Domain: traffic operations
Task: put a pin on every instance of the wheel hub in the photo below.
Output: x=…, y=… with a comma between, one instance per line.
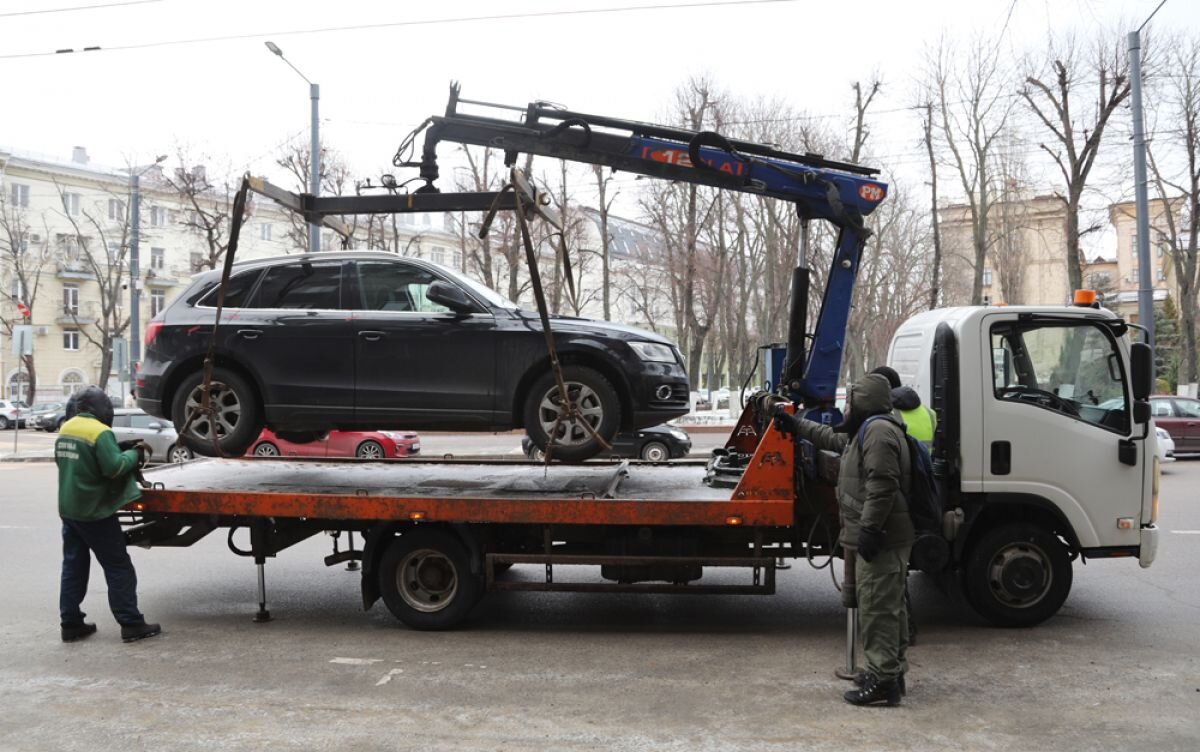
x=1020, y=575
x=564, y=423
x=427, y=580
x=226, y=411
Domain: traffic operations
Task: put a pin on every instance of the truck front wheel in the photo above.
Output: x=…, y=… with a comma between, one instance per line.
x=1017, y=575
x=426, y=581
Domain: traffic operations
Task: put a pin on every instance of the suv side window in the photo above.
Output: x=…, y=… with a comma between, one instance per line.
x=141, y=421
x=120, y=421
x=396, y=286
x=305, y=286
x=236, y=291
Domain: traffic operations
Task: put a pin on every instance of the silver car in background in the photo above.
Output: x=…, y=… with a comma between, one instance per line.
x=135, y=425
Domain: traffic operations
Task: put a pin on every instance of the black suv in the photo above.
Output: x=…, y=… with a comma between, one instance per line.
x=369, y=341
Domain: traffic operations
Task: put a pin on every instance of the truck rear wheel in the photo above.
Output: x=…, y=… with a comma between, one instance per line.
x=1017, y=575
x=426, y=581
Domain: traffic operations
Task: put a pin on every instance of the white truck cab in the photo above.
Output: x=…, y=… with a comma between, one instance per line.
x=1044, y=450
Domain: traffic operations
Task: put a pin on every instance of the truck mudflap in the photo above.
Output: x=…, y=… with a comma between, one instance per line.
x=1149, y=546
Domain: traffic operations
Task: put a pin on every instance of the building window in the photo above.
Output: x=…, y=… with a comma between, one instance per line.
x=16, y=290
x=116, y=210
x=438, y=255
x=71, y=203
x=158, y=258
x=458, y=259
x=158, y=300
x=1162, y=274
x=72, y=381
x=196, y=261
x=158, y=216
x=71, y=299
x=987, y=276
x=71, y=339
x=264, y=231
x=18, y=196
x=1135, y=274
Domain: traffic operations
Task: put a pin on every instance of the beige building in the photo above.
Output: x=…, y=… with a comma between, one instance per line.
x=54, y=214
x=1123, y=217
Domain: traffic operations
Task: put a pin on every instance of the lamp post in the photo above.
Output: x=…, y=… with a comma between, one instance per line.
x=314, y=154
x=135, y=215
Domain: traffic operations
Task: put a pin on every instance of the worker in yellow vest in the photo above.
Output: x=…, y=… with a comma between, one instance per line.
x=920, y=420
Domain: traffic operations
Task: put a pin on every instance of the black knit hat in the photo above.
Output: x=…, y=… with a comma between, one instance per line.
x=890, y=374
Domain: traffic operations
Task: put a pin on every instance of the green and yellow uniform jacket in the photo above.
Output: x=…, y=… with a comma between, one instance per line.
x=95, y=478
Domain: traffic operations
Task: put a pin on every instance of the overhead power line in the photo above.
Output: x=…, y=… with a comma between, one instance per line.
x=394, y=24
x=73, y=8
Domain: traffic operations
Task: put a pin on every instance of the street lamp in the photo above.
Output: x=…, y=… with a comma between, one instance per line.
x=135, y=331
x=314, y=155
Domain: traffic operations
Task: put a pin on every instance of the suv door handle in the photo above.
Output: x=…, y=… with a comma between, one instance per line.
x=249, y=333
x=371, y=336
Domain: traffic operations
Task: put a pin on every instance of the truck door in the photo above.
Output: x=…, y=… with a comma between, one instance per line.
x=1055, y=414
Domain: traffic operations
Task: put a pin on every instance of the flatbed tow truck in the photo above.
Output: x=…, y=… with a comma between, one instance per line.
x=436, y=535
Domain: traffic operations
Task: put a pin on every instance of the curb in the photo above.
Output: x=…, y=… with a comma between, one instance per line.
x=27, y=459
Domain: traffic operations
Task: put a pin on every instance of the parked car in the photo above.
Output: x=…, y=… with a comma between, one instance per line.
x=1180, y=416
x=12, y=413
x=40, y=410
x=132, y=424
x=656, y=444
x=1166, y=445
x=51, y=422
x=369, y=341
x=365, y=445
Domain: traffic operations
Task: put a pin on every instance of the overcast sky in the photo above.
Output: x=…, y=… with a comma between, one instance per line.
x=234, y=104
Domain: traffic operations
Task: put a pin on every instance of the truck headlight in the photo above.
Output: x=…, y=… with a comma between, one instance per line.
x=653, y=352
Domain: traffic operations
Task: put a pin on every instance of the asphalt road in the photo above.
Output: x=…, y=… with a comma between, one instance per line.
x=1117, y=669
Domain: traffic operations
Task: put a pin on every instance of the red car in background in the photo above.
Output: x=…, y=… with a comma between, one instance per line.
x=365, y=445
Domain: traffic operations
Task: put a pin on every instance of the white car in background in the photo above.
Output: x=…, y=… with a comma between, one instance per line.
x=1165, y=444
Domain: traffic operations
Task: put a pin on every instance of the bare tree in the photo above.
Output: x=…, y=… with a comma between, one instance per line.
x=1076, y=129
x=973, y=109
x=1175, y=169
x=604, y=205
x=208, y=209
x=335, y=177
x=25, y=259
x=935, y=222
x=99, y=249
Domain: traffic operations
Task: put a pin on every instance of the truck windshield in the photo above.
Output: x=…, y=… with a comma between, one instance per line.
x=1075, y=369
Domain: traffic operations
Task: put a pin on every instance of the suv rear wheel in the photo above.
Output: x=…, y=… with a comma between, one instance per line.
x=598, y=405
x=237, y=416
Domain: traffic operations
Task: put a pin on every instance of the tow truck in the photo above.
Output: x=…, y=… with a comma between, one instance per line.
x=436, y=535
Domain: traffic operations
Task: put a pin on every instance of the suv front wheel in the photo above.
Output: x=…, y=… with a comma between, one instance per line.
x=595, y=400
x=236, y=414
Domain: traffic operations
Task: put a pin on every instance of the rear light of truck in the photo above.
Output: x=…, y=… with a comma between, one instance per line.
x=152, y=330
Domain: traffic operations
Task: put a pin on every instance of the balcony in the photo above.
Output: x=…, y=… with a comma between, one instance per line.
x=74, y=269
x=160, y=278
x=81, y=315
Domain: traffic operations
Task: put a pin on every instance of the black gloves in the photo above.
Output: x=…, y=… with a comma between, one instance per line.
x=785, y=422
x=141, y=447
x=870, y=543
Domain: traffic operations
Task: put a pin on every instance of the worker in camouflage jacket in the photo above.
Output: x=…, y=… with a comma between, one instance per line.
x=875, y=523
x=96, y=477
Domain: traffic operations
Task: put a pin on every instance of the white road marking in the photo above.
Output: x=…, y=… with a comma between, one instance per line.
x=388, y=676
x=15, y=527
x=1186, y=532
x=356, y=661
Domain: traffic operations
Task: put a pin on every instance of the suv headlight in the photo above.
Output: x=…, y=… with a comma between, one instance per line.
x=653, y=352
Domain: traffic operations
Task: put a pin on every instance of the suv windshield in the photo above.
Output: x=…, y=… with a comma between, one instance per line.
x=1070, y=368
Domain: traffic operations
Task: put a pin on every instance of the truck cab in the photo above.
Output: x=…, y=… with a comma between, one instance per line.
x=1044, y=449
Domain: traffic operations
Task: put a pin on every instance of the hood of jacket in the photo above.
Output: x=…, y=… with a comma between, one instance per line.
x=870, y=395
x=93, y=401
x=905, y=398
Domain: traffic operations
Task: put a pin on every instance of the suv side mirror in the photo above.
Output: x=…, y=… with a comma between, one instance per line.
x=154, y=425
x=1141, y=363
x=444, y=293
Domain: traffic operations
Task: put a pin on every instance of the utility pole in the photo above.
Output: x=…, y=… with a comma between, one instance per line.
x=1141, y=200
x=135, y=298
x=314, y=149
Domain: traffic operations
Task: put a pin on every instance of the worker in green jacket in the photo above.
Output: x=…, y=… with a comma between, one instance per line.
x=918, y=419
x=875, y=523
x=95, y=479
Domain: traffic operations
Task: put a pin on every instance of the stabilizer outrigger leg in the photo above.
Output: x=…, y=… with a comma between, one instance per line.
x=263, y=614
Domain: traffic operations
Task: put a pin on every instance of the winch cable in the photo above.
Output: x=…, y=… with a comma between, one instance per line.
x=205, y=407
x=567, y=409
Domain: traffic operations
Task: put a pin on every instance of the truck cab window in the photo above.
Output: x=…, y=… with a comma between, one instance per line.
x=1074, y=369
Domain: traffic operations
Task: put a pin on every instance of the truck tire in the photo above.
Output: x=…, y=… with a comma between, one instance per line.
x=597, y=400
x=426, y=581
x=238, y=412
x=1017, y=575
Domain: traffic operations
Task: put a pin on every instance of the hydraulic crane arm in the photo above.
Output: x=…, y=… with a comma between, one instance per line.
x=837, y=192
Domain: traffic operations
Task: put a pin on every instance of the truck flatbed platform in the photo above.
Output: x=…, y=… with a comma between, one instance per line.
x=455, y=491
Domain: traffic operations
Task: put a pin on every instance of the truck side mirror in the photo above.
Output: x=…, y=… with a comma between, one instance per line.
x=1141, y=357
x=1141, y=412
x=444, y=293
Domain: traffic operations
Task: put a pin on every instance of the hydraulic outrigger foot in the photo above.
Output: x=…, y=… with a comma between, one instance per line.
x=263, y=614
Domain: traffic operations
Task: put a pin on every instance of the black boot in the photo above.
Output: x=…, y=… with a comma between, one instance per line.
x=860, y=679
x=875, y=692
x=135, y=632
x=80, y=631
